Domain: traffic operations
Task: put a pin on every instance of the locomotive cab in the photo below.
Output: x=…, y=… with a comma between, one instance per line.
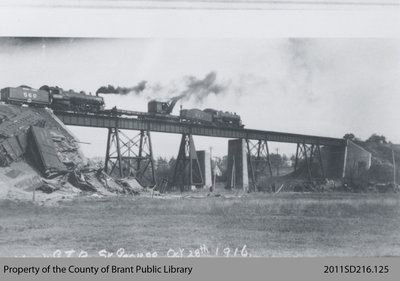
x=58, y=100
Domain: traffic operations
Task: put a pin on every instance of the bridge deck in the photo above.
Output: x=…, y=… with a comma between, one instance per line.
x=103, y=121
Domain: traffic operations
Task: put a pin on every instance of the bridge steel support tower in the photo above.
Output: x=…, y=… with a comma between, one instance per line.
x=127, y=156
x=309, y=154
x=259, y=160
x=187, y=171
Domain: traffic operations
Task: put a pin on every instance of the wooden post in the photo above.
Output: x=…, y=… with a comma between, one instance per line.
x=394, y=168
x=213, y=183
x=345, y=160
x=233, y=176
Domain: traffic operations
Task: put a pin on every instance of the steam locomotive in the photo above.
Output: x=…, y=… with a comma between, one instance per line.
x=211, y=117
x=207, y=116
x=52, y=97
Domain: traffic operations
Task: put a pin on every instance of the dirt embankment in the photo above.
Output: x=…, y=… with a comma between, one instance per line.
x=40, y=158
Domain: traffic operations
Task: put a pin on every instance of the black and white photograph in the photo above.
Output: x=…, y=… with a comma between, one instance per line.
x=199, y=146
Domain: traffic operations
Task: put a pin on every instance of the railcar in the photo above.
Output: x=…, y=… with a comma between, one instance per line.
x=196, y=116
x=25, y=95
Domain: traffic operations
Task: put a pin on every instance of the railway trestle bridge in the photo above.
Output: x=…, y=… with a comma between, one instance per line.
x=127, y=156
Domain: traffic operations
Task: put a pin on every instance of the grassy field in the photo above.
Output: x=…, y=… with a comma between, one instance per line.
x=287, y=224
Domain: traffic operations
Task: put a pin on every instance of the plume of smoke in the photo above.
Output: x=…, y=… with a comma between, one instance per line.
x=200, y=89
x=139, y=88
x=194, y=88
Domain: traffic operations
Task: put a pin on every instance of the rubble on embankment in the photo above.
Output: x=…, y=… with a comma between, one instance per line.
x=40, y=159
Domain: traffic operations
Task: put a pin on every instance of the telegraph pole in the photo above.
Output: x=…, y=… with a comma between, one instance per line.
x=213, y=175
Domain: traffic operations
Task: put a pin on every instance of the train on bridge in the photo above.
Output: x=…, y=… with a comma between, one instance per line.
x=53, y=97
x=70, y=101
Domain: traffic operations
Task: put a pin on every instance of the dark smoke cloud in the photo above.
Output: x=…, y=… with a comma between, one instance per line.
x=199, y=89
x=122, y=90
x=194, y=88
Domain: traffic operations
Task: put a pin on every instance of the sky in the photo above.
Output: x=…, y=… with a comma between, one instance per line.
x=325, y=87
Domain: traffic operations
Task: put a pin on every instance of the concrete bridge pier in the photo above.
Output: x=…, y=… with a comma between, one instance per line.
x=237, y=173
x=205, y=166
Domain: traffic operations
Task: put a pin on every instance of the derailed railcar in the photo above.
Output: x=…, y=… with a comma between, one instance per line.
x=25, y=95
